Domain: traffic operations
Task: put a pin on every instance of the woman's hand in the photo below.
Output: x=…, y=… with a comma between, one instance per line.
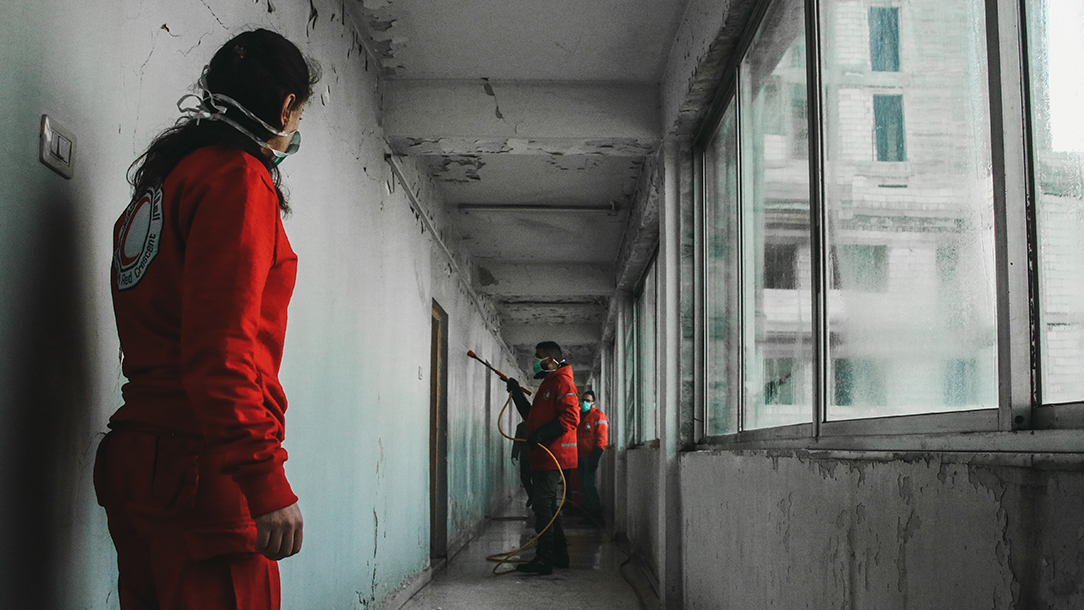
x=278, y=533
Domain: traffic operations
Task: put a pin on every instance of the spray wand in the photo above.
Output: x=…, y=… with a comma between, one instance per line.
x=489, y=366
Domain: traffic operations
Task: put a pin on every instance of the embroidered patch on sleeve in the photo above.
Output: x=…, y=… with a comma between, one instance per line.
x=139, y=238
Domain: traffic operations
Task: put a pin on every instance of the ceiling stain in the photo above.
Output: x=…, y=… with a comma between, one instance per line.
x=485, y=277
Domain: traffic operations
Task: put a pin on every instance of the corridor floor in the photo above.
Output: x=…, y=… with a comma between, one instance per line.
x=592, y=580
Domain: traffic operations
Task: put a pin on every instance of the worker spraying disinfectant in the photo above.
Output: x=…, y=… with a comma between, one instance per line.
x=552, y=450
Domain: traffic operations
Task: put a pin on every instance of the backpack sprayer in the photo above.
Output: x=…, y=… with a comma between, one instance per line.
x=503, y=558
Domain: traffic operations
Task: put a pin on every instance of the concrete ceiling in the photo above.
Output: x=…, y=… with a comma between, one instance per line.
x=534, y=117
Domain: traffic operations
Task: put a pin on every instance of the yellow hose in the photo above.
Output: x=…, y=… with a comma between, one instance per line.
x=503, y=558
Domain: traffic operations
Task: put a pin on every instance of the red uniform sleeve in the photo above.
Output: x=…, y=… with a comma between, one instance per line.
x=568, y=406
x=602, y=431
x=229, y=251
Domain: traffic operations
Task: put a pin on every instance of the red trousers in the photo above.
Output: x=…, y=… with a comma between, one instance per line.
x=183, y=533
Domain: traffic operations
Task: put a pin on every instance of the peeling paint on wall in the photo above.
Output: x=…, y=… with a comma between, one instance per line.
x=489, y=91
x=377, y=23
x=439, y=145
x=461, y=169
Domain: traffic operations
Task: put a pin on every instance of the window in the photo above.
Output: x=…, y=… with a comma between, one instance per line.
x=961, y=382
x=870, y=293
x=888, y=125
x=646, y=308
x=884, y=39
x=776, y=341
x=1056, y=37
x=631, y=378
x=779, y=381
x=780, y=261
x=722, y=305
x=909, y=252
x=859, y=381
x=862, y=268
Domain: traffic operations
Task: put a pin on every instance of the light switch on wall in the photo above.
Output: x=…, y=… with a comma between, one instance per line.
x=57, y=148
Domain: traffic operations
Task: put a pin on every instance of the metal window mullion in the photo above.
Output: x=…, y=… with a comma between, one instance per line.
x=700, y=415
x=739, y=219
x=1014, y=228
x=818, y=214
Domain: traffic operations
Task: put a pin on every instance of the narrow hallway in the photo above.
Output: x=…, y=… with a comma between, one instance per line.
x=818, y=263
x=592, y=581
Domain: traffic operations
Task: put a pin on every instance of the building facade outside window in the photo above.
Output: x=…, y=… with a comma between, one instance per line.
x=1055, y=54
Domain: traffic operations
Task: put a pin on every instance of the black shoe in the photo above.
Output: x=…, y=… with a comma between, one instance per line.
x=537, y=566
x=561, y=562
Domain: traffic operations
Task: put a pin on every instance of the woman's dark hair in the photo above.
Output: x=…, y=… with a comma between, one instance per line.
x=258, y=69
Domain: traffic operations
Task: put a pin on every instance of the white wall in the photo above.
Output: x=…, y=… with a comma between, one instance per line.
x=359, y=331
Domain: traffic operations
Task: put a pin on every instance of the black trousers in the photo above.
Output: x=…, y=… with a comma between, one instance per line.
x=552, y=543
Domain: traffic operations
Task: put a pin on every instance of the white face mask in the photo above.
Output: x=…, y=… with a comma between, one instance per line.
x=212, y=107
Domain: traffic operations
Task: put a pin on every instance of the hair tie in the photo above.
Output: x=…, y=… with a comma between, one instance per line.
x=239, y=50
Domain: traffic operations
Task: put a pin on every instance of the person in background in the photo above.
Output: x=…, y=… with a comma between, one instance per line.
x=551, y=423
x=191, y=473
x=592, y=435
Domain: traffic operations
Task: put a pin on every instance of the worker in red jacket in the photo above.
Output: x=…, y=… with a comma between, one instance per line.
x=592, y=435
x=551, y=423
x=191, y=473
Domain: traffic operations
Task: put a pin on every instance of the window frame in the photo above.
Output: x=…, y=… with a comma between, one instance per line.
x=1020, y=407
x=639, y=436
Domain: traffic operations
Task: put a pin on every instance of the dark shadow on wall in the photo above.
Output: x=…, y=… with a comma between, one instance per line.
x=48, y=423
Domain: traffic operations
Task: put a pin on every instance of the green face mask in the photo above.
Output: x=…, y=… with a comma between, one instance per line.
x=586, y=406
x=537, y=366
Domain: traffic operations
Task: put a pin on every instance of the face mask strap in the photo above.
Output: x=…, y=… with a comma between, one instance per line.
x=208, y=109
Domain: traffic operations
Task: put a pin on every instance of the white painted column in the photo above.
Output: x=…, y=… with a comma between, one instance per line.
x=668, y=380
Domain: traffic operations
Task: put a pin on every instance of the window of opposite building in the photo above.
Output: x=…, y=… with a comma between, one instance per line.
x=780, y=264
x=884, y=39
x=859, y=382
x=888, y=126
x=862, y=268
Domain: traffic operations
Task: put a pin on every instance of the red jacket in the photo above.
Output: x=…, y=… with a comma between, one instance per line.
x=593, y=432
x=555, y=399
x=202, y=274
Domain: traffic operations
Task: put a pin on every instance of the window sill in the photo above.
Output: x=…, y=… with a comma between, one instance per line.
x=969, y=432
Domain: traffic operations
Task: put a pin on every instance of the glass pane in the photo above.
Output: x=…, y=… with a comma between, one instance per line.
x=631, y=379
x=910, y=236
x=775, y=222
x=1055, y=57
x=647, y=306
x=721, y=267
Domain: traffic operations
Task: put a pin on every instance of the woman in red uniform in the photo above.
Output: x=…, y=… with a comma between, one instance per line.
x=191, y=473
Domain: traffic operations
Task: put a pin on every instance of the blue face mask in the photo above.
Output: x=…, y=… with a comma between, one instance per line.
x=291, y=148
x=537, y=366
x=586, y=406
